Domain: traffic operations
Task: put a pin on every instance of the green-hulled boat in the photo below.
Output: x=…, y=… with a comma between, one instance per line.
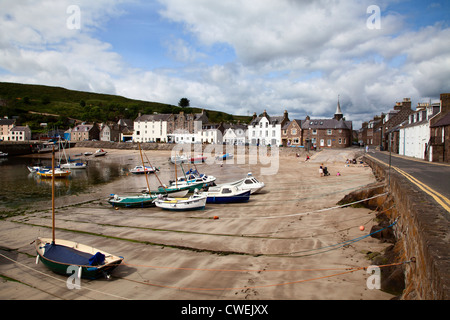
x=65, y=257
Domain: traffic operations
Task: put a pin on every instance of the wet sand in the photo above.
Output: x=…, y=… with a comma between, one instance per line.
x=281, y=245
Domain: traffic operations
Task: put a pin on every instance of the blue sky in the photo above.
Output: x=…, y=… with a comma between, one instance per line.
x=235, y=56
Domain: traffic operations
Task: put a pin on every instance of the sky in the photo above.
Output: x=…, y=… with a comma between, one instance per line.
x=239, y=57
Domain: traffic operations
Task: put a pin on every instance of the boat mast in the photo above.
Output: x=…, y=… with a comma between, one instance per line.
x=53, y=194
x=142, y=159
x=153, y=168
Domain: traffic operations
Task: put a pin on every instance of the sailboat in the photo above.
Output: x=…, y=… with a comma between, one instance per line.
x=58, y=254
x=70, y=163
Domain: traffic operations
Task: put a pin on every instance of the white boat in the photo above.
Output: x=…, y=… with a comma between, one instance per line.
x=74, y=165
x=248, y=183
x=179, y=159
x=142, y=170
x=99, y=153
x=226, y=194
x=193, y=177
x=3, y=154
x=35, y=169
x=88, y=153
x=194, y=202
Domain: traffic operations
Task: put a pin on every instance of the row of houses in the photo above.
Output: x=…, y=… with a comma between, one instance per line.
x=10, y=132
x=422, y=133
x=263, y=130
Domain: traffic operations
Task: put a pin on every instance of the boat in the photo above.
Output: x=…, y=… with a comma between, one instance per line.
x=226, y=194
x=3, y=154
x=74, y=165
x=58, y=173
x=88, y=153
x=225, y=156
x=99, y=153
x=248, y=183
x=179, y=159
x=35, y=169
x=142, y=170
x=193, y=177
x=137, y=201
x=194, y=202
x=70, y=163
x=198, y=159
x=59, y=255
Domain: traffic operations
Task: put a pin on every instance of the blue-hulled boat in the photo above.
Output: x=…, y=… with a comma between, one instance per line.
x=226, y=194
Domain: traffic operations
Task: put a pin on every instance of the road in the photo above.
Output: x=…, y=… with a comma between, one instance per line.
x=433, y=178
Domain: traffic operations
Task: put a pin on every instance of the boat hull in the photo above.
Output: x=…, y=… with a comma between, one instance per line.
x=74, y=254
x=49, y=174
x=174, y=204
x=236, y=198
x=140, y=201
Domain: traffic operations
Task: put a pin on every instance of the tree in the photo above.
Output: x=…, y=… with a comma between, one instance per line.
x=184, y=102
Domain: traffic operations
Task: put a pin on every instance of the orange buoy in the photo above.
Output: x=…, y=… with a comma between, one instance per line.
x=216, y=217
x=361, y=228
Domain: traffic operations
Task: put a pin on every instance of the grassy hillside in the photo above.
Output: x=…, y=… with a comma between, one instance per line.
x=34, y=104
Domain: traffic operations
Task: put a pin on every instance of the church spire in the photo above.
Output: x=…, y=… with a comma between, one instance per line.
x=338, y=115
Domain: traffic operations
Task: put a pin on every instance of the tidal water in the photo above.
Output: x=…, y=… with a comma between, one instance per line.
x=20, y=189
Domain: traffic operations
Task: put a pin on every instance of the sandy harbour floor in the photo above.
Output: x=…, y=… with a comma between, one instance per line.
x=280, y=245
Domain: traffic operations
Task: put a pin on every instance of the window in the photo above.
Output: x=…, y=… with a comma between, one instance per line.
x=329, y=142
x=329, y=132
x=314, y=131
x=294, y=131
x=340, y=141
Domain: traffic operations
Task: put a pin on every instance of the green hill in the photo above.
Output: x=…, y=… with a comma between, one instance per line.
x=59, y=107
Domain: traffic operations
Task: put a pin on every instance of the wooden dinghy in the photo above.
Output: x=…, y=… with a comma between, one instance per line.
x=58, y=256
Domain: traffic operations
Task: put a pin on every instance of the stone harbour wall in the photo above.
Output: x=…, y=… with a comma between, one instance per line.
x=421, y=233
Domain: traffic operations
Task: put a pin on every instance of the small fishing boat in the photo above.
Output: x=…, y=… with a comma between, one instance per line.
x=179, y=159
x=99, y=153
x=198, y=159
x=88, y=153
x=59, y=173
x=226, y=194
x=224, y=156
x=193, y=177
x=3, y=154
x=35, y=169
x=142, y=170
x=137, y=201
x=248, y=183
x=194, y=202
x=59, y=255
x=74, y=165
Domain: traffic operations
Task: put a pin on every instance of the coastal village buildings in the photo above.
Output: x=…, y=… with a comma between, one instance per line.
x=235, y=134
x=84, y=132
x=19, y=133
x=151, y=128
x=440, y=131
x=292, y=134
x=327, y=133
x=266, y=130
x=414, y=134
x=5, y=127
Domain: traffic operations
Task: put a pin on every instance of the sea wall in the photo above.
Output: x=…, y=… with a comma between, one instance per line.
x=17, y=148
x=421, y=233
